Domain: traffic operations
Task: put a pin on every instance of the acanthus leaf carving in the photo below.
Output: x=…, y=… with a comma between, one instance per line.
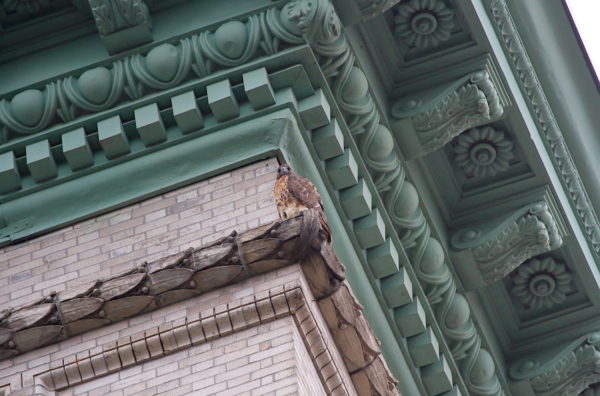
x=113, y=15
x=565, y=371
x=432, y=118
x=493, y=249
x=122, y=24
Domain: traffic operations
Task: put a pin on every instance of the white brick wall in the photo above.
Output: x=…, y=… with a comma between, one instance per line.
x=167, y=224
x=269, y=359
x=170, y=223
x=258, y=361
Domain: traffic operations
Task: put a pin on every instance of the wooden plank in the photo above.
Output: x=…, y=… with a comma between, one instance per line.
x=259, y=249
x=173, y=296
x=261, y=266
x=119, y=286
x=28, y=339
x=211, y=256
x=214, y=277
x=168, y=279
x=83, y=325
x=78, y=308
x=76, y=291
x=125, y=307
x=28, y=317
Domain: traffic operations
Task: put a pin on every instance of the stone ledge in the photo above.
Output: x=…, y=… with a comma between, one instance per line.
x=191, y=273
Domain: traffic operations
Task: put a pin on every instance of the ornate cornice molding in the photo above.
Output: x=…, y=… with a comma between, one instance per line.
x=429, y=120
x=316, y=21
x=191, y=273
x=563, y=372
x=491, y=250
x=133, y=77
x=544, y=118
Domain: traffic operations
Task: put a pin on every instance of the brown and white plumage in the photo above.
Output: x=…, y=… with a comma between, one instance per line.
x=294, y=194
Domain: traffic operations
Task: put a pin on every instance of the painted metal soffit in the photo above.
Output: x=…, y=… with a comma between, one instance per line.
x=544, y=118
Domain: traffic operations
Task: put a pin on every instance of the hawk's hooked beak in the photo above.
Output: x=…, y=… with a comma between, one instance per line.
x=283, y=170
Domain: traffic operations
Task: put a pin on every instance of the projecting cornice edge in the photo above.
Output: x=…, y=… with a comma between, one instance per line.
x=545, y=120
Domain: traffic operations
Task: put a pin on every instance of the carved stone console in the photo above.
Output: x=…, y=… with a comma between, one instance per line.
x=566, y=370
x=122, y=24
x=429, y=119
x=488, y=250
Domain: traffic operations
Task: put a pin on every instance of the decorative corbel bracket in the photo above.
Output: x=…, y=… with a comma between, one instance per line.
x=488, y=251
x=356, y=11
x=122, y=24
x=567, y=370
x=429, y=119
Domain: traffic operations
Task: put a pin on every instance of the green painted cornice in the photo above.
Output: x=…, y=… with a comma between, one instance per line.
x=398, y=266
x=400, y=199
x=428, y=120
x=491, y=249
x=546, y=122
x=564, y=370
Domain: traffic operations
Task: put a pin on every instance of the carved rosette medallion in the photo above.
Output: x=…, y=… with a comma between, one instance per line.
x=424, y=23
x=541, y=283
x=483, y=152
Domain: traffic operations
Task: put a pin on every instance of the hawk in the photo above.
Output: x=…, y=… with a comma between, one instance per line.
x=295, y=194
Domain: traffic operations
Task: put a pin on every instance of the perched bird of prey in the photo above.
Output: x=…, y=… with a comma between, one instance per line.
x=295, y=194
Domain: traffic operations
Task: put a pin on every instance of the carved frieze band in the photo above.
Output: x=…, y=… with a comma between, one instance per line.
x=164, y=66
x=493, y=249
x=193, y=272
x=544, y=118
x=429, y=120
x=565, y=371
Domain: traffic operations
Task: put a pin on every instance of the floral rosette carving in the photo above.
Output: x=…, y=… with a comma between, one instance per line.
x=483, y=151
x=424, y=23
x=541, y=283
